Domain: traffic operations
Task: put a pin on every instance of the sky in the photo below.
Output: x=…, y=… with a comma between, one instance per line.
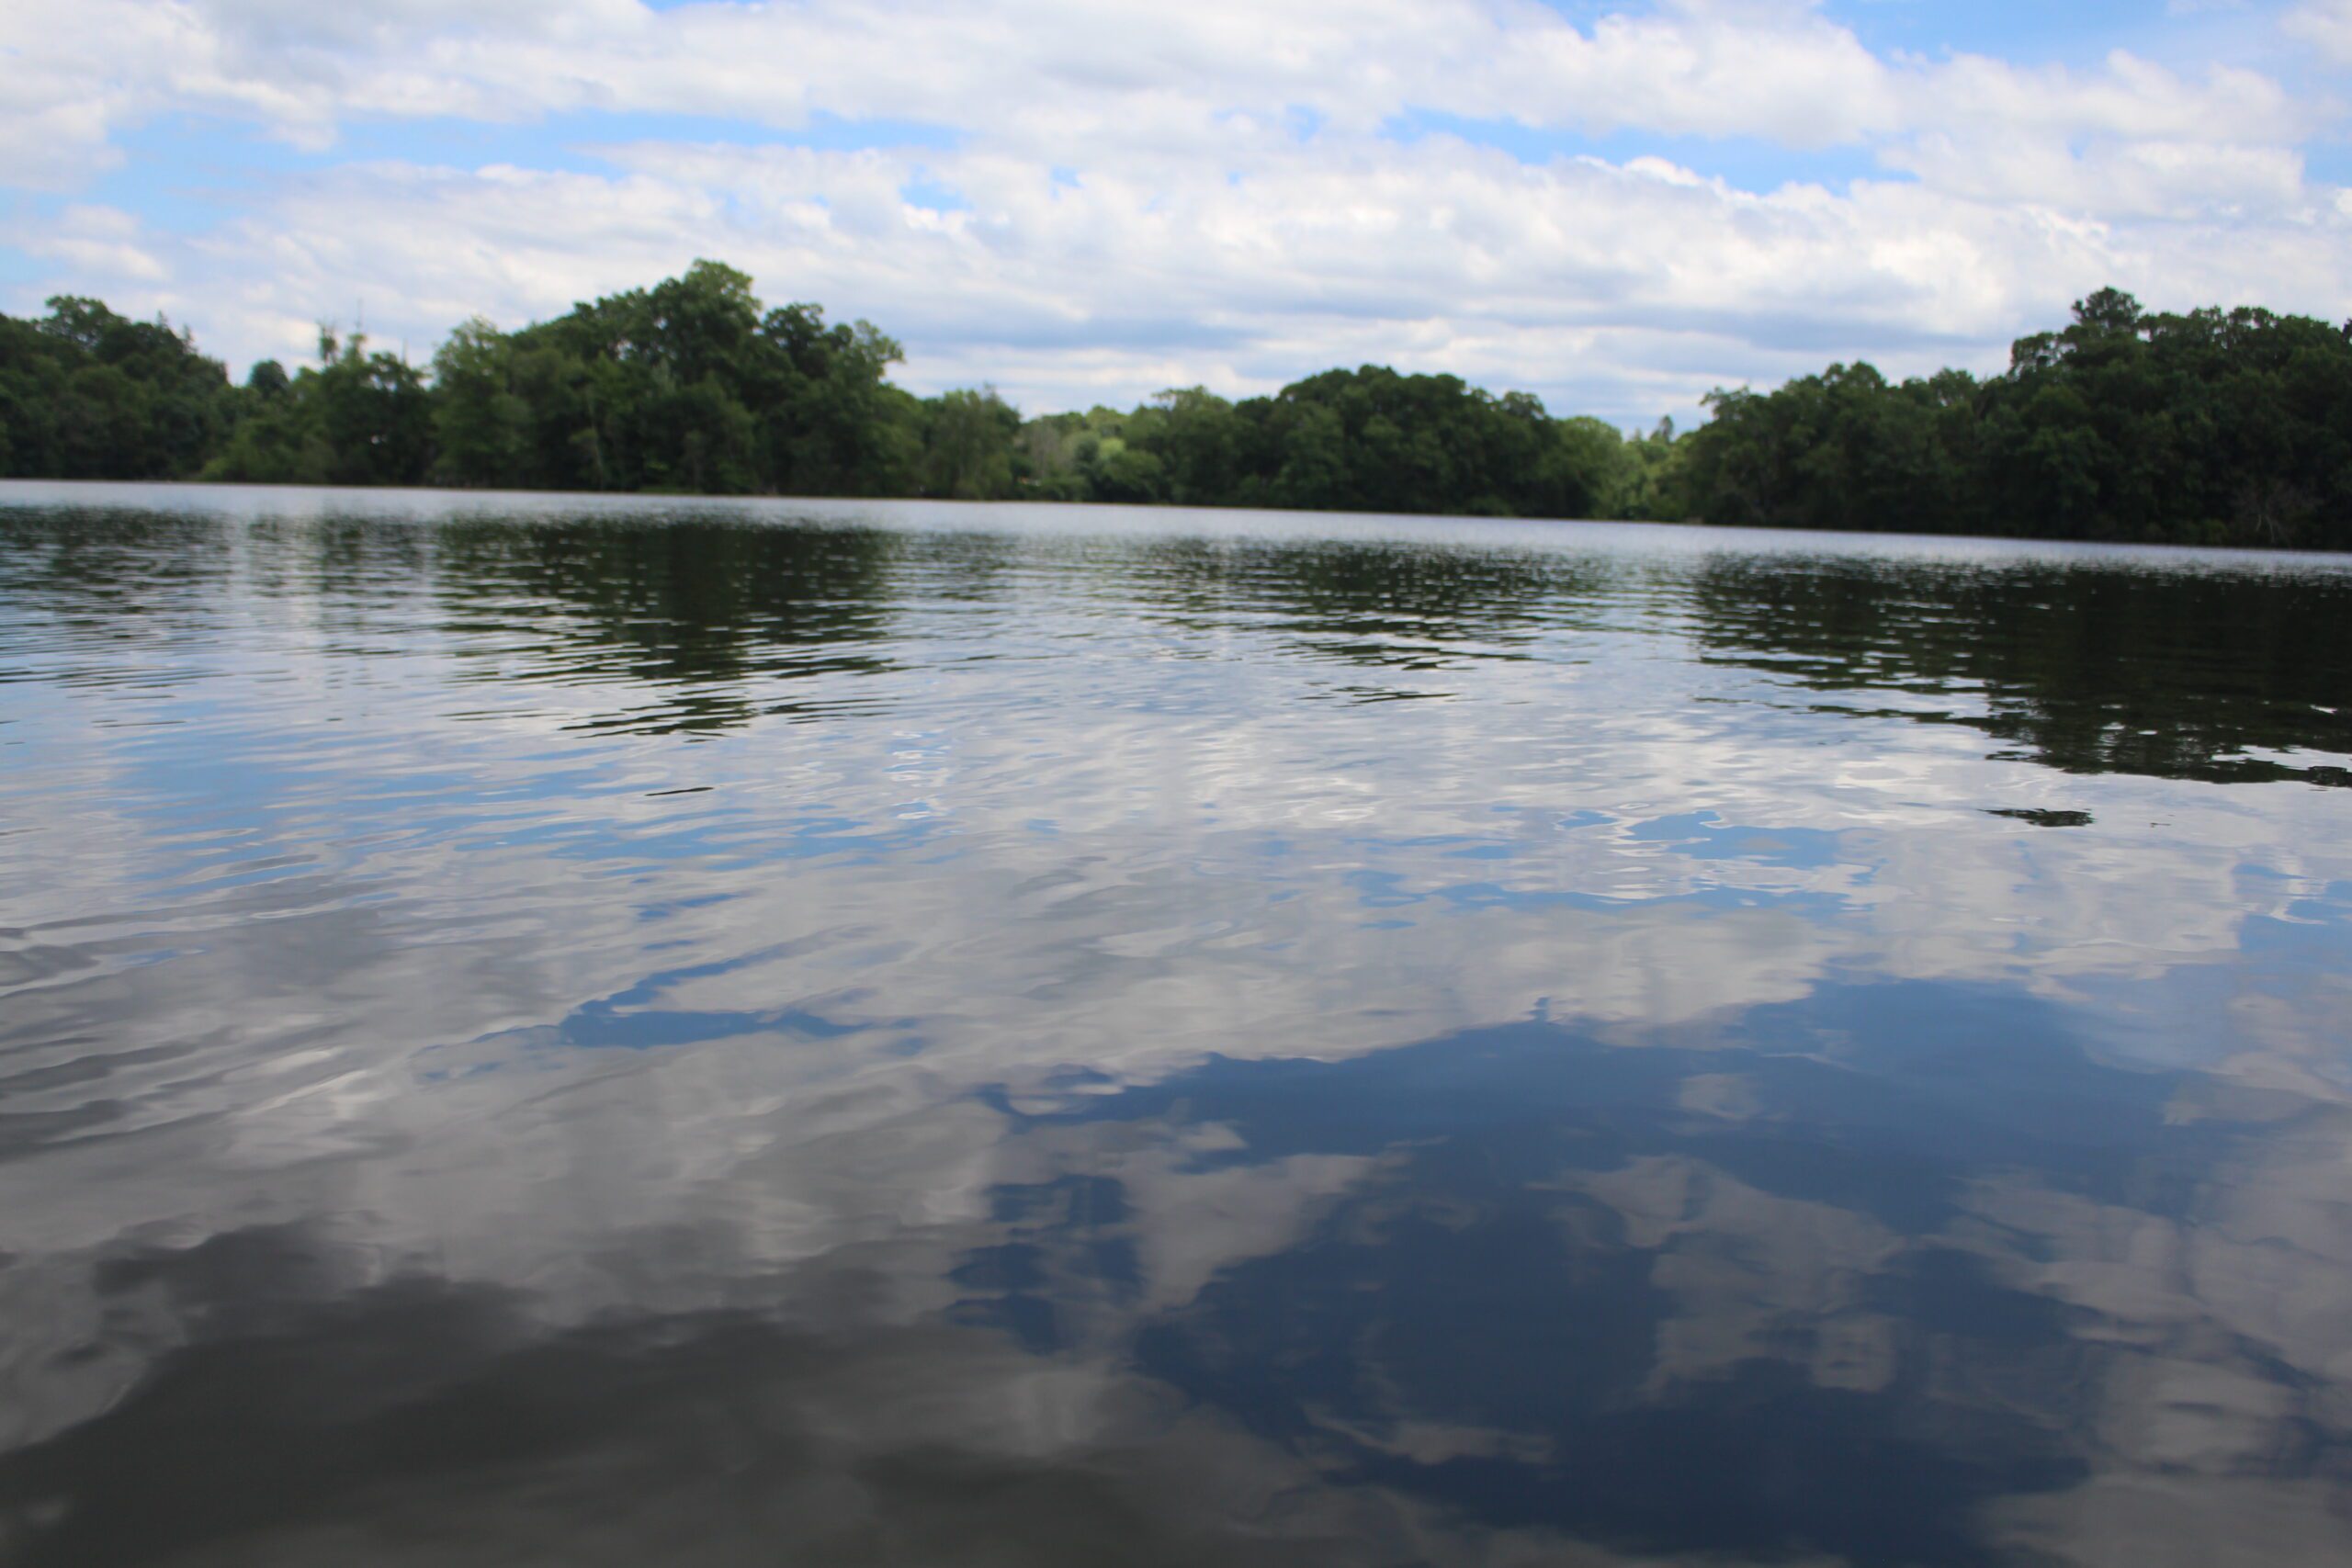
x=1615, y=206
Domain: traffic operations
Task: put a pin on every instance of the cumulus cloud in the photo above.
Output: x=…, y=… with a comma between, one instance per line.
x=102, y=240
x=1111, y=199
x=1620, y=288
x=2326, y=24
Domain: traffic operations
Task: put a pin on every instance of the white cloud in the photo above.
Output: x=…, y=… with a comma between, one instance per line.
x=1630, y=290
x=96, y=241
x=2326, y=24
x=1150, y=194
x=1029, y=75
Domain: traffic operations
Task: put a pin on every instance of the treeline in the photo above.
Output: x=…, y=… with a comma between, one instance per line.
x=694, y=386
x=2214, y=427
x=2209, y=427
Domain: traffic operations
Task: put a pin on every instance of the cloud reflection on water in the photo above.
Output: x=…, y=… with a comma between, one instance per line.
x=699, y=1038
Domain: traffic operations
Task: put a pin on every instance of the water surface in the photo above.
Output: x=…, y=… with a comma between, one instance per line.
x=553, y=1031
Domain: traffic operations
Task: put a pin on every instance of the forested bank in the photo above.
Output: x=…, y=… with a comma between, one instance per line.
x=2212, y=427
x=2209, y=427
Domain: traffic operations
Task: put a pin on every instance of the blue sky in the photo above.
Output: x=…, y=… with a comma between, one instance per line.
x=1617, y=206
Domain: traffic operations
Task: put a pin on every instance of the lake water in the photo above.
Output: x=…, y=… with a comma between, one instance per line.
x=541, y=1031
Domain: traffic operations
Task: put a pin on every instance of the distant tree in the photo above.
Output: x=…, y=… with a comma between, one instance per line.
x=2123, y=424
x=968, y=446
x=85, y=393
x=2213, y=426
x=481, y=424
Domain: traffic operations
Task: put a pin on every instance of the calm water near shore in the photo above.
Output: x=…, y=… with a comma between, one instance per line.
x=547, y=1031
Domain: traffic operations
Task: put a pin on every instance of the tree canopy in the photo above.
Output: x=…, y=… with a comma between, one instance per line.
x=2211, y=427
x=2214, y=427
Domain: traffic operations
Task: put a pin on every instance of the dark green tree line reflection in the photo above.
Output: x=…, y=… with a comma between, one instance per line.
x=2088, y=667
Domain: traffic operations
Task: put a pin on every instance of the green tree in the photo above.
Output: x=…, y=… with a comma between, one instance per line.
x=2226, y=426
x=480, y=421
x=968, y=446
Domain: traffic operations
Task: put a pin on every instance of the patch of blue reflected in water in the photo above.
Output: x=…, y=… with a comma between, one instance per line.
x=601, y=1032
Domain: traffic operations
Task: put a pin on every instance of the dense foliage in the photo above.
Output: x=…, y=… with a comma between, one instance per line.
x=86, y=394
x=2214, y=427
x=2209, y=427
x=694, y=386
x=1368, y=440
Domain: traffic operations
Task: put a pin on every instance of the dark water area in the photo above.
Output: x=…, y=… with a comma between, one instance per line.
x=546, y=1031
